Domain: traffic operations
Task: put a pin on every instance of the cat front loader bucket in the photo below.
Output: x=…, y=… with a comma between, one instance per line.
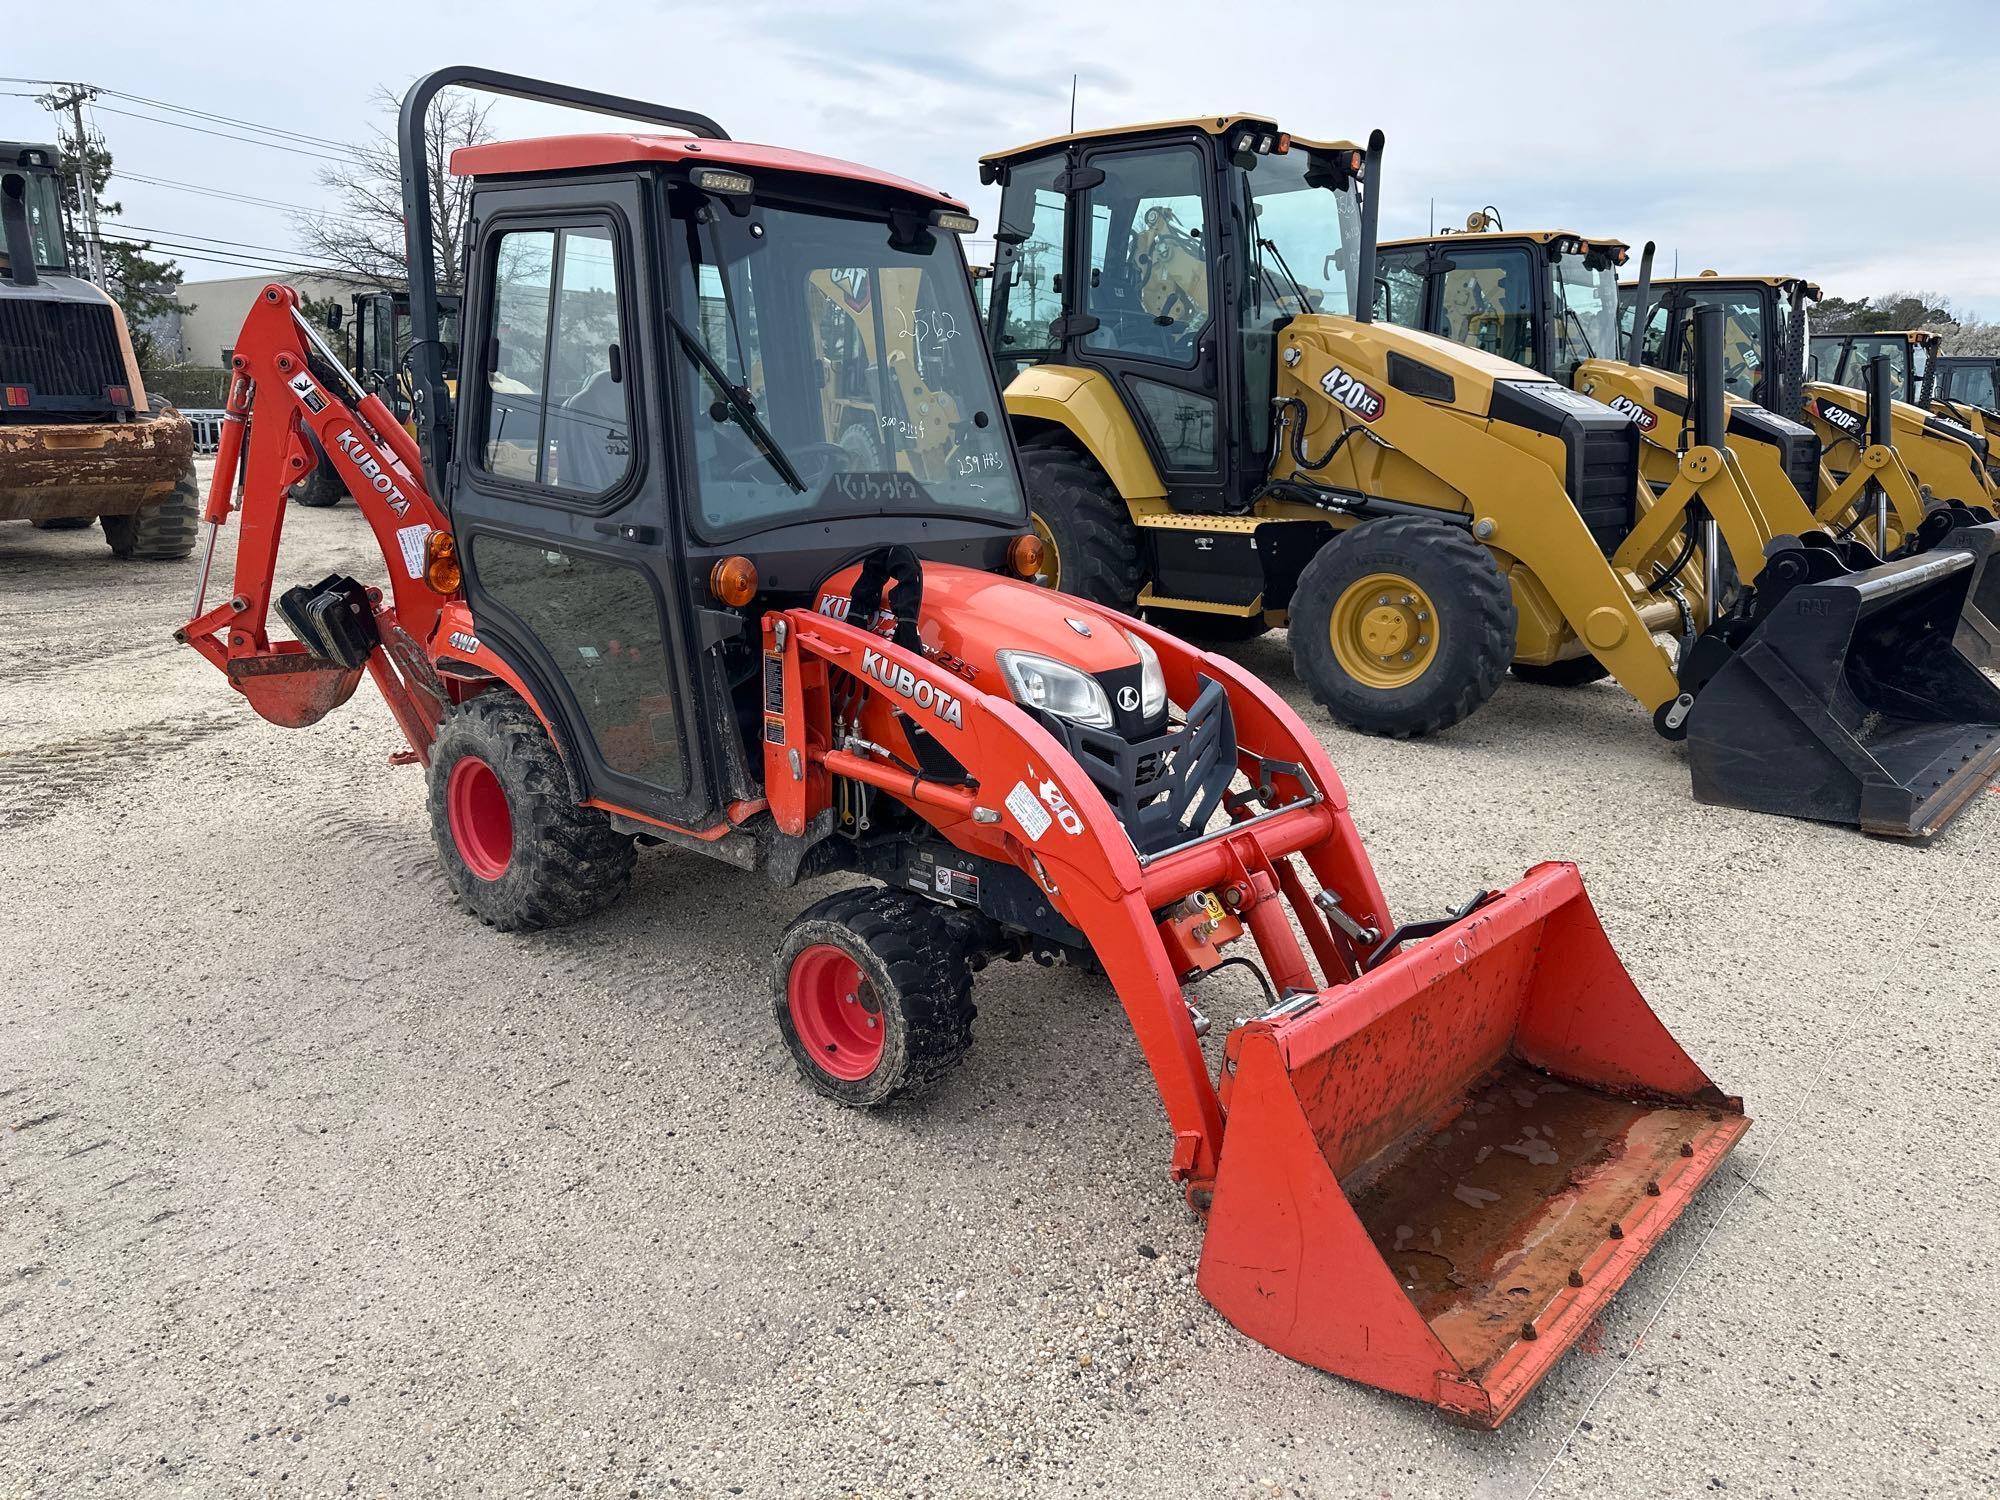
x=1437, y=1174
x=1845, y=696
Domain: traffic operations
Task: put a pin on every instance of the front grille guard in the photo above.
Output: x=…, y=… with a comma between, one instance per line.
x=1166, y=789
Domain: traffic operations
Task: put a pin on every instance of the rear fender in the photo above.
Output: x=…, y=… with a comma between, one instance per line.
x=1086, y=405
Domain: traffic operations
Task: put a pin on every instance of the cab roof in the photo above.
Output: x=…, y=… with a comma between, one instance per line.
x=1533, y=236
x=1780, y=282
x=29, y=154
x=559, y=153
x=1212, y=124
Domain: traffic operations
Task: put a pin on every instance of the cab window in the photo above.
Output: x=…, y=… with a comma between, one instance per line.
x=1487, y=299
x=1148, y=274
x=1027, y=266
x=1973, y=385
x=558, y=399
x=1403, y=272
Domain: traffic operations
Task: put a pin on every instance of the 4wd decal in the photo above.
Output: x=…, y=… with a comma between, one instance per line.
x=1363, y=400
x=1839, y=418
x=466, y=644
x=365, y=460
x=1641, y=418
x=921, y=691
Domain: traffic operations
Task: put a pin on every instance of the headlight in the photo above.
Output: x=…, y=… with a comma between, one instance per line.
x=1152, y=681
x=1056, y=688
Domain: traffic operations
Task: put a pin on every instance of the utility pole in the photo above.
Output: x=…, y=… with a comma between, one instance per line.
x=73, y=97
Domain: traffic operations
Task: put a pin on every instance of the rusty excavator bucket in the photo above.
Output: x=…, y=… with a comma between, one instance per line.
x=1436, y=1174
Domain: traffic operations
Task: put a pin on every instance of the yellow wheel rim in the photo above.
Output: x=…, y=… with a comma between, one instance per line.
x=1051, y=554
x=1384, y=631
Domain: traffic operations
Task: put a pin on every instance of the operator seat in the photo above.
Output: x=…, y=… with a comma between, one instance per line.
x=593, y=436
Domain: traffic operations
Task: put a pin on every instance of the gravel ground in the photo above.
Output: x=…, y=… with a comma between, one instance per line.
x=310, y=1185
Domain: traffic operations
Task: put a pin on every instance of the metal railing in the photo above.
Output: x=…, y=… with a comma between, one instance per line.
x=207, y=424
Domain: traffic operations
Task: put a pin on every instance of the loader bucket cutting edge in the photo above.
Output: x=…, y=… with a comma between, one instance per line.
x=1854, y=703
x=1434, y=1178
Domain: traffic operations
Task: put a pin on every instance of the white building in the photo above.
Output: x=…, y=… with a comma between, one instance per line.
x=206, y=335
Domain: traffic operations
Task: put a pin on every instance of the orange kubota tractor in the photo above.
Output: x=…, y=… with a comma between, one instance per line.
x=639, y=592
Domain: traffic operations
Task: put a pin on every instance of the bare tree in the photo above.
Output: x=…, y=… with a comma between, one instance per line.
x=363, y=237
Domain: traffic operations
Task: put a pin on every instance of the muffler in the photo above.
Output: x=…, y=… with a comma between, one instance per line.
x=1436, y=1174
x=1842, y=695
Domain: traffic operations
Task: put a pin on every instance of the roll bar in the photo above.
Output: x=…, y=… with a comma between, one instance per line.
x=430, y=408
x=1642, y=309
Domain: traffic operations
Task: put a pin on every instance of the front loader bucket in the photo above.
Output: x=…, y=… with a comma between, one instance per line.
x=1434, y=1176
x=1850, y=703
x=1979, y=627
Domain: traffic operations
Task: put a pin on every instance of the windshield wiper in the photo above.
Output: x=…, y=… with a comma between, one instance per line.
x=740, y=403
x=1298, y=287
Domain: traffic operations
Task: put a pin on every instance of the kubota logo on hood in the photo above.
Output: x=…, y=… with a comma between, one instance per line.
x=365, y=460
x=921, y=691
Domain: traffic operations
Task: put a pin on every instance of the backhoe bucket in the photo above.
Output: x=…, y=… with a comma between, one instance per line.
x=1434, y=1176
x=1851, y=703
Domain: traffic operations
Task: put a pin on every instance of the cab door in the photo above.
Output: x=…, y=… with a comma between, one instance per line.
x=1149, y=306
x=560, y=488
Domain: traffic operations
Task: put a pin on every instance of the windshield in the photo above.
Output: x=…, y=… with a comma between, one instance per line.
x=1301, y=255
x=1583, y=303
x=858, y=360
x=1861, y=353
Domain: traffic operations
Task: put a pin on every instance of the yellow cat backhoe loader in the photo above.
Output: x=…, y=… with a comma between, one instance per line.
x=1966, y=388
x=1216, y=432
x=1767, y=318
x=1551, y=299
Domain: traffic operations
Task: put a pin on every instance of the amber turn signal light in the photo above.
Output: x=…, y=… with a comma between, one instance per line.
x=441, y=570
x=1025, y=555
x=734, y=581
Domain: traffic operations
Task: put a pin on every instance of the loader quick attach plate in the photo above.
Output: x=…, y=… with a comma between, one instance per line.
x=1851, y=703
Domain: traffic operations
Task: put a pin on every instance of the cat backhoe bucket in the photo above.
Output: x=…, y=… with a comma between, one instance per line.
x=1846, y=698
x=1436, y=1175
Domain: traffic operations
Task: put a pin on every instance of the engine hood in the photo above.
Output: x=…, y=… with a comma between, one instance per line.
x=968, y=617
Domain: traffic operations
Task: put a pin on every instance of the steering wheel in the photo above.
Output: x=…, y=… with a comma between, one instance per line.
x=803, y=457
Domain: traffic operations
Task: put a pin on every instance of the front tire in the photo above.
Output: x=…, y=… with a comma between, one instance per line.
x=1578, y=671
x=1402, y=626
x=1090, y=547
x=872, y=993
x=515, y=849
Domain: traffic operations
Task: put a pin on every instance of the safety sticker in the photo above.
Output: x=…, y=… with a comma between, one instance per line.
x=1028, y=811
x=308, y=392
x=412, y=539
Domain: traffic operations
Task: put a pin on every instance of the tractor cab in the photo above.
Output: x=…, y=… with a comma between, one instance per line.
x=1165, y=257
x=1845, y=359
x=1766, y=330
x=1547, y=299
x=381, y=342
x=1970, y=380
x=701, y=376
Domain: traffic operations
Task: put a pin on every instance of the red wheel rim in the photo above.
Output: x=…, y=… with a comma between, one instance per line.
x=481, y=824
x=829, y=1003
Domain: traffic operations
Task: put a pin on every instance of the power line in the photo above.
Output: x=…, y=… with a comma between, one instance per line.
x=247, y=140
x=248, y=199
x=183, y=109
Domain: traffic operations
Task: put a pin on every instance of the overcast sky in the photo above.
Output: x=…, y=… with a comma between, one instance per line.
x=1852, y=142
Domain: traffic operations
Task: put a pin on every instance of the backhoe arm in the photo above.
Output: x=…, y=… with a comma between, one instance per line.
x=282, y=398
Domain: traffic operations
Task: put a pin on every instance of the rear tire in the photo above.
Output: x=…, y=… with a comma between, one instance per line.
x=163, y=531
x=1402, y=626
x=1576, y=672
x=872, y=993
x=1090, y=546
x=63, y=523
x=515, y=849
x=323, y=487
